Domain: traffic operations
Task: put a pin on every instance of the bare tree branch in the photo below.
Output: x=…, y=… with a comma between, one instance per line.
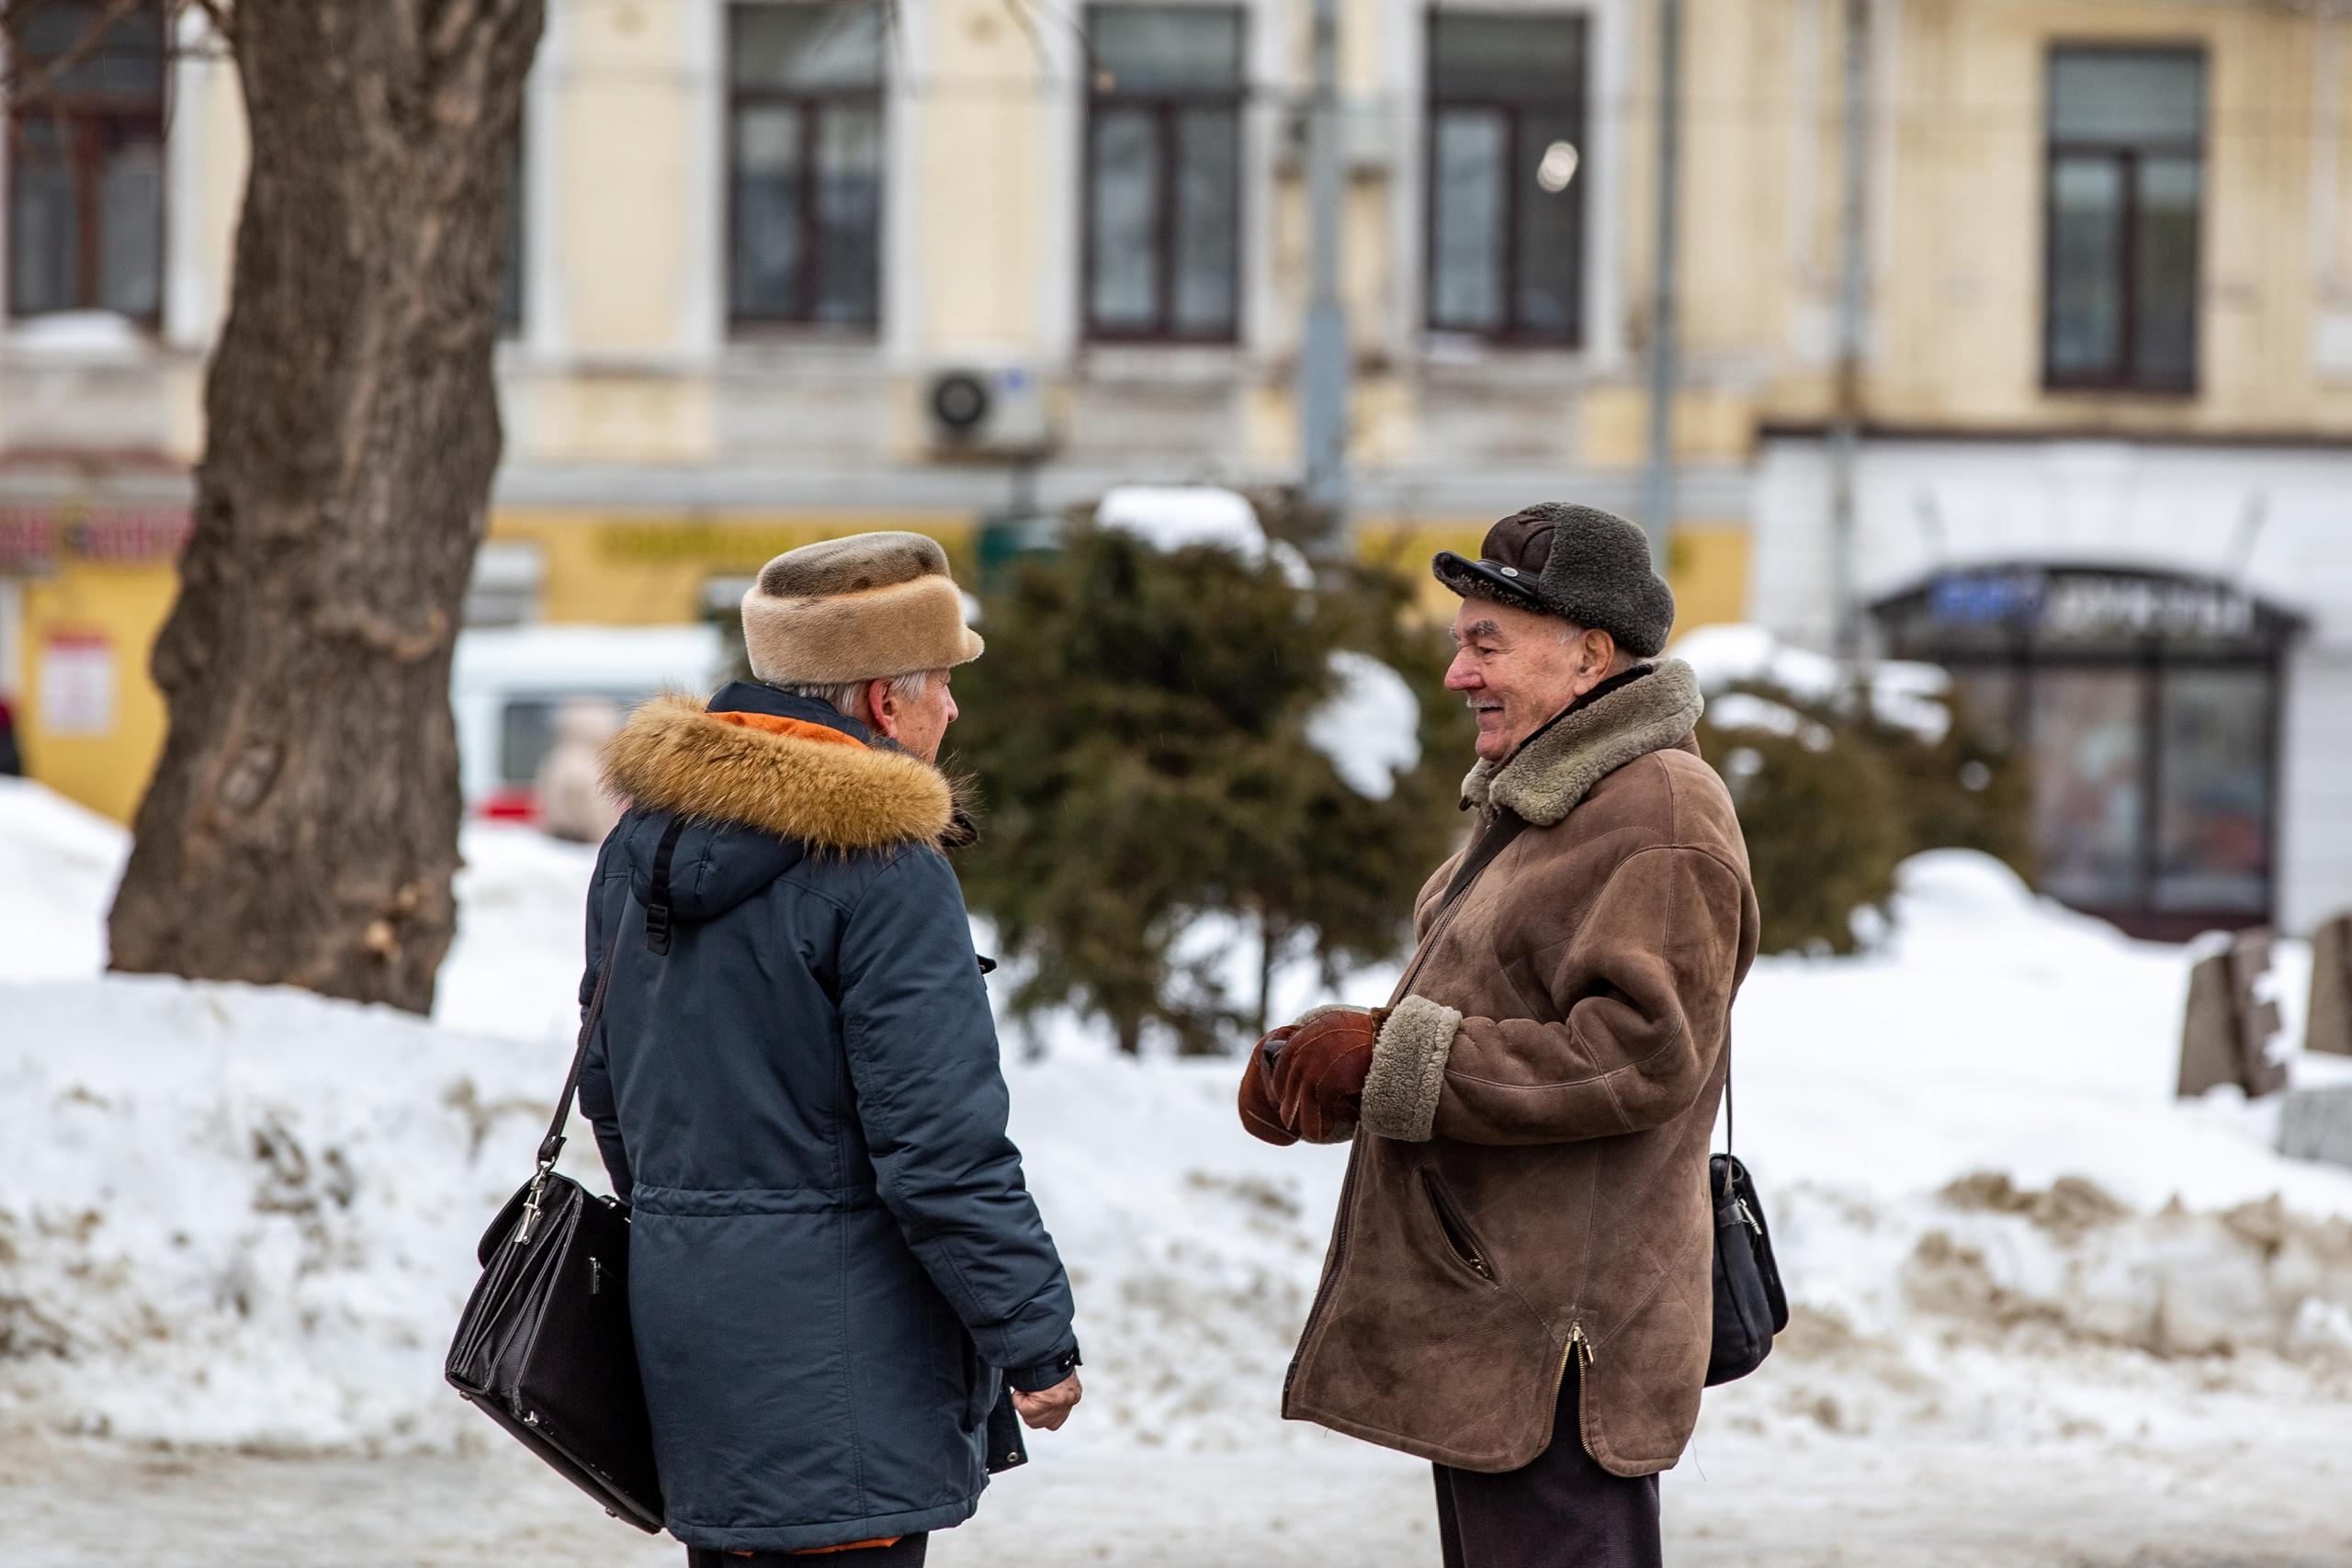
x=29, y=85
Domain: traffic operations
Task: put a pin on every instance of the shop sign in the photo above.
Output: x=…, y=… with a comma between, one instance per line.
x=715, y=547
x=2092, y=606
x=34, y=540
x=77, y=683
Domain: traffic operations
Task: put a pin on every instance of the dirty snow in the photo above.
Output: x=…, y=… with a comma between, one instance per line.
x=244, y=1216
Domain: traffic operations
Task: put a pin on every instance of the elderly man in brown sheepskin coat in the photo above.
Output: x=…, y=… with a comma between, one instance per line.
x=1519, y=1285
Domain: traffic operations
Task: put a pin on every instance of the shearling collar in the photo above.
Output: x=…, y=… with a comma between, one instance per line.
x=1545, y=779
x=672, y=755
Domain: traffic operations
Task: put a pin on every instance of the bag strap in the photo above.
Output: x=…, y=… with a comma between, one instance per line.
x=1727, y=1100
x=552, y=1145
x=1508, y=825
x=1731, y=1164
x=1495, y=838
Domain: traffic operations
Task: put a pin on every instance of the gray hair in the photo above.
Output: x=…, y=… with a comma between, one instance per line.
x=848, y=698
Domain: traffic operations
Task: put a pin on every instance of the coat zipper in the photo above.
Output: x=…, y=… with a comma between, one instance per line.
x=1579, y=1347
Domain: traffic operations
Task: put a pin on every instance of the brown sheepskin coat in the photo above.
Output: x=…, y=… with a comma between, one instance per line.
x=1529, y=1181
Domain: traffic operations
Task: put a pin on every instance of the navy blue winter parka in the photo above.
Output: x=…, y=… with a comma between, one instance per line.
x=833, y=1252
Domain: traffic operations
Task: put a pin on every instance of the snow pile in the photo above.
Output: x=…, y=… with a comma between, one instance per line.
x=58, y=867
x=514, y=968
x=246, y=1215
x=1176, y=517
x=1906, y=695
x=1370, y=727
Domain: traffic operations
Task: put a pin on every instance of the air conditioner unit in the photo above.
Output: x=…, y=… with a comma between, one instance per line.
x=989, y=412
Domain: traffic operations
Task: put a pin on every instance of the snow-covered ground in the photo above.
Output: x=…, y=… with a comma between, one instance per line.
x=2044, y=1314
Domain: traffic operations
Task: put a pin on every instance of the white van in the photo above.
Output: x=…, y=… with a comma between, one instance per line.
x=509, y=683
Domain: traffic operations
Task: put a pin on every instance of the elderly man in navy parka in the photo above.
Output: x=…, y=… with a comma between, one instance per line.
x=834, y=1264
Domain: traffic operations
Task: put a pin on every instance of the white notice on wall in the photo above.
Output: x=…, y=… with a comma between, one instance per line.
x=77, y=683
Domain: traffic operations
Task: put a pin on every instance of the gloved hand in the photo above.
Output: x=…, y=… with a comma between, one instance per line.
x=1260, y=1113
x=1320, y=1075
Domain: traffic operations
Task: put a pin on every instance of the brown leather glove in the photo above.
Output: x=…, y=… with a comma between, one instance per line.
x=1318, y=1079
x=1260, y=1112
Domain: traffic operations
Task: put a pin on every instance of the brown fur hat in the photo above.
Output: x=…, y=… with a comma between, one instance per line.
x=864, y=608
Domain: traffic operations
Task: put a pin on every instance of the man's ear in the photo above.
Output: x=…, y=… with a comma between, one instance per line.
x=1595, y=652
x=883, y=708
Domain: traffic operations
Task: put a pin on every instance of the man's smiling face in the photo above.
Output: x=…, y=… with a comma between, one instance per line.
x=1516, y=670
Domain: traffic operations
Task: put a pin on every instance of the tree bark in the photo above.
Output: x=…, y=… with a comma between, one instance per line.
x=301, y=826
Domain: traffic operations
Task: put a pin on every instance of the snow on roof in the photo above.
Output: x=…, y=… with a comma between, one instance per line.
x=104, y=333
x=1175, y=517
x=1370, y=727
x=1907, y=695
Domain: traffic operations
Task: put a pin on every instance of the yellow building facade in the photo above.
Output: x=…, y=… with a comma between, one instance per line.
x=757, y=238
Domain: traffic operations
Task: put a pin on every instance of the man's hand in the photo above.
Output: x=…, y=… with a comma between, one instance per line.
x=1045, y=1412
x=1261, y=1113
x=1319, y=1076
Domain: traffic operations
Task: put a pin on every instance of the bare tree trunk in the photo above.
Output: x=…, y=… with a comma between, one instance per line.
x=1272, y=935
x=302, y=824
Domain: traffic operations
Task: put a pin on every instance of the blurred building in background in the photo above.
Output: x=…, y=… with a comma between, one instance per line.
x=790, y=267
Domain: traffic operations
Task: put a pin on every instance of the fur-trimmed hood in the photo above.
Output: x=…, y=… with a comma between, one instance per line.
x=674, y=755
x=1559, y=765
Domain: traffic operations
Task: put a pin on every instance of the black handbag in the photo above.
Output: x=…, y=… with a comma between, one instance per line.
x=1750, y=1305
x=543, y=1347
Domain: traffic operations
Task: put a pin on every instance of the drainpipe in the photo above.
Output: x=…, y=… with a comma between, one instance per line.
x=1846, y=421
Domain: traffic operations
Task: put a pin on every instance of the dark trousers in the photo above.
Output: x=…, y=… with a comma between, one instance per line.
x=1561, y=1511
x=907, y=1553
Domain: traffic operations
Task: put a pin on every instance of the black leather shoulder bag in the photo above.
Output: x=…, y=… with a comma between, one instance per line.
x=1750, y=1305
x=543, y=1347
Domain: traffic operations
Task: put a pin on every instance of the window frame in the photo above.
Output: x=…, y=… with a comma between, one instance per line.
x=76, y=113
x=809, y=105
x=1513, y=333
x=2127, y=158
x=1166, y=108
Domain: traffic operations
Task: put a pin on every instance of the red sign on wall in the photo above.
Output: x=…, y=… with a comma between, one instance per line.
x=35, y=539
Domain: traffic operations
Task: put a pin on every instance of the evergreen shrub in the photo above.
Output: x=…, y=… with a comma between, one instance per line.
x=1833, y=797
x=1137, y=735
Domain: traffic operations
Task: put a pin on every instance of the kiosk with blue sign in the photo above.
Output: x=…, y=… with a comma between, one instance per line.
x=2147, y=704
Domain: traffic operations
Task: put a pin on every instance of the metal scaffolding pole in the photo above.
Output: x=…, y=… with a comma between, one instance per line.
x=1658, y=490
x=1323, y=363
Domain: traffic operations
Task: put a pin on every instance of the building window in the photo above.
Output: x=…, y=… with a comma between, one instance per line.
x=1163, y=173
x=804, y=159
x=1506, y=211
x=85, y=165
x=2126, y=198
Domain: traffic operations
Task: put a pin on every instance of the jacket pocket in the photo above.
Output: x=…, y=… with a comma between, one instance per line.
x=1460, y=1239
